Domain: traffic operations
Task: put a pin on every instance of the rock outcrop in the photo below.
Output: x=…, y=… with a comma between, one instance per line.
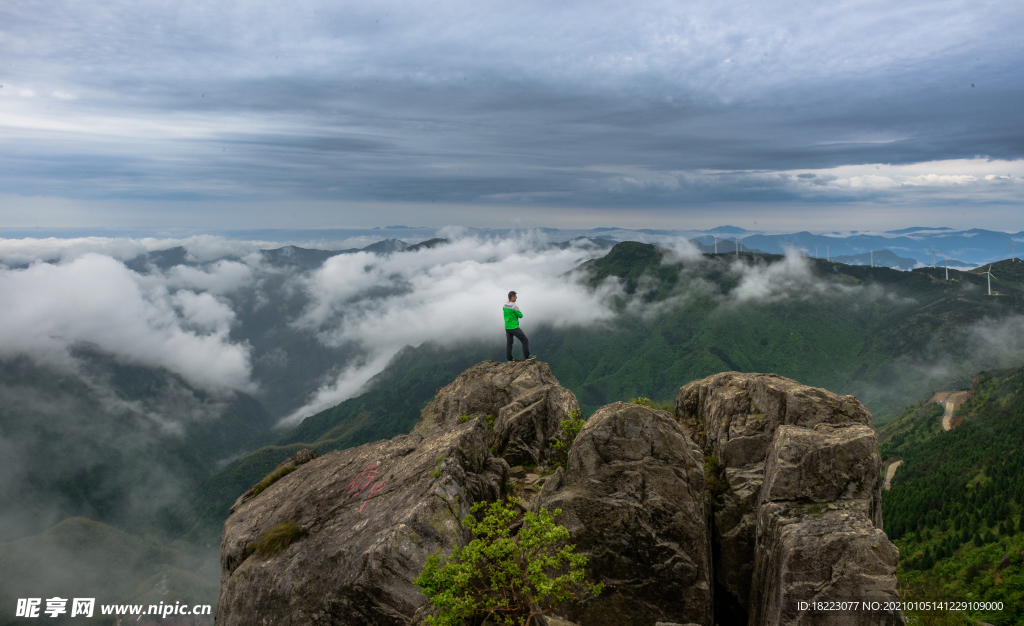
x=757, y=494
x=369, y=517
x=523, y=398
x=364, y=520
x=632, y=497
x=817, y=536
x=801, y=477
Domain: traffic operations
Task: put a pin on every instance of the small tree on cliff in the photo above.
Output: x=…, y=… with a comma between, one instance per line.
x=569, y=429
x=507, y=579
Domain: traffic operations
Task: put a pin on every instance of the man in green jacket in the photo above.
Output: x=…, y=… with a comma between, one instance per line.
x=512, y=315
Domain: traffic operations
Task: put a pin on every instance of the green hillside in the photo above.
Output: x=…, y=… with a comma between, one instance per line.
x=877, y=333
x=956, y=506
x=881, y=334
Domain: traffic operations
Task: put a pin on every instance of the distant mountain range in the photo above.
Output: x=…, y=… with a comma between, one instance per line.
x=912, y=246
x=970, y=248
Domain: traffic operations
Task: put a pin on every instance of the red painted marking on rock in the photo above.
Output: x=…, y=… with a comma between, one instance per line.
x=365, y=479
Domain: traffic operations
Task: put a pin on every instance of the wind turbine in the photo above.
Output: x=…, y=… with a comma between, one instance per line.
x=945, y=261
x=989, y=279
x=1012, y=256
x=872, y=258
x=933, y=255
x=737, y=246
x=816, y=250
x=716, y=243
x=828, y=256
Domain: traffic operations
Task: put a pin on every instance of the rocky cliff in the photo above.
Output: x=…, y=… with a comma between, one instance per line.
x=790, y=457
x=757, y=494
x=632, y=497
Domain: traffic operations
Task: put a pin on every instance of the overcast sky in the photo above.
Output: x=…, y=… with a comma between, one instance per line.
x=213, y=114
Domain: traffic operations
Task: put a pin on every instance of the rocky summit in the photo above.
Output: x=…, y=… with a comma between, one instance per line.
x=521, y=400
x=757, y=496
x=632, y=497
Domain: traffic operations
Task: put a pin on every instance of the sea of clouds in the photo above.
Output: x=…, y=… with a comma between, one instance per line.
x=63, y=293
x=361, y=308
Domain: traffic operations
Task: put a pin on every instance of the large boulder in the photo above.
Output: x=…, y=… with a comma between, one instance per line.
x=632, y=498
x=818, y=539
x=734, y=415
x=824, y=464
x=759, y=493
x=809, y=553
x=525, y=403
x=361, y=524
x=733, y=418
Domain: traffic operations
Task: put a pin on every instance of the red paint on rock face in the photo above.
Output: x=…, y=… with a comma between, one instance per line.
x=365, y=479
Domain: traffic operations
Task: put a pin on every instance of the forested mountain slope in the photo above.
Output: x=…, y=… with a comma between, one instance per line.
x=881, y=334
x=956, y=503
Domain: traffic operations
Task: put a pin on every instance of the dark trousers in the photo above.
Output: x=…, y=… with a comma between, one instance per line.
x=516, y=332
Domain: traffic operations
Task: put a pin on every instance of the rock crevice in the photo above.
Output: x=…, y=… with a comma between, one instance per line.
x=802, y=478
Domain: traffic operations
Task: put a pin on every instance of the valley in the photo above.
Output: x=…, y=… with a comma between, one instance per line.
x=889, y=337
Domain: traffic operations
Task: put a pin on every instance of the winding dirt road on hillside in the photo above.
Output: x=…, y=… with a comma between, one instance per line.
x=890, y=472
x=952, y=402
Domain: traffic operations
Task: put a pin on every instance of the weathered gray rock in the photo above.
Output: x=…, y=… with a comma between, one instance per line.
x=734, y=415
x=798, y=516
x=817, y=533
x=824, y=464
x=523, y=396
x=807, y=552
x=733, y=418
x=1005, y=562
x=373, y=514
x=632, y=498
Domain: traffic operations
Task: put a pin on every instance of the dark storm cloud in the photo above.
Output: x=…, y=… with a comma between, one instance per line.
x=579, y=104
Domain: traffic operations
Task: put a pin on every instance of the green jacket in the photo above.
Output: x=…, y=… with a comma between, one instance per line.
x=512, y=315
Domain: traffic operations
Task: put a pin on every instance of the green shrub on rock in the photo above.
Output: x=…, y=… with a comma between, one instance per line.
x=270, y=480
x=508, y=579
x=570, y=428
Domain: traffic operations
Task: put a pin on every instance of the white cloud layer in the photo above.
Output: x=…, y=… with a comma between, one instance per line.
x=49, y=308
x=451, y=294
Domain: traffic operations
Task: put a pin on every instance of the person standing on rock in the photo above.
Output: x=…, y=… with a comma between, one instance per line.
x=512, y=315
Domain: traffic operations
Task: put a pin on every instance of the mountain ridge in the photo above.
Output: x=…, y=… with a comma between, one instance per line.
x=602, y=370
